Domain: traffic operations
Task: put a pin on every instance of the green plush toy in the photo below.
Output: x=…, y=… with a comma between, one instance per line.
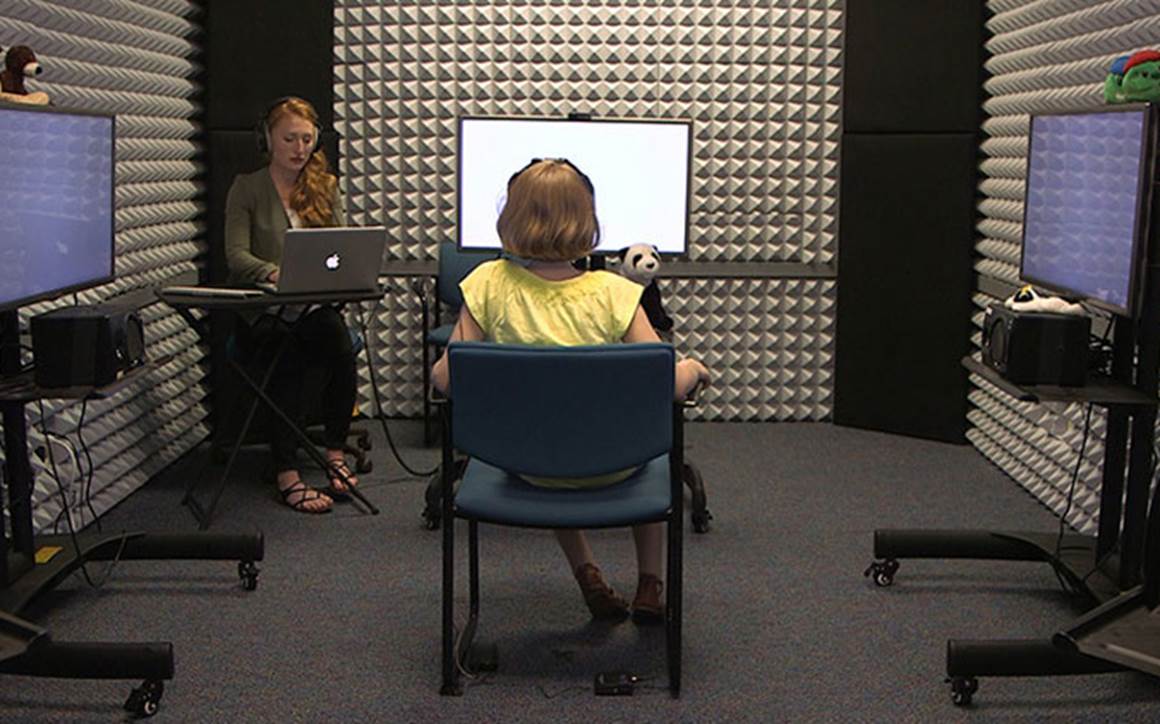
x=1134, y=77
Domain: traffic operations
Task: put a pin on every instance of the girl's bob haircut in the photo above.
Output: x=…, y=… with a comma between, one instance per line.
x=550, y=213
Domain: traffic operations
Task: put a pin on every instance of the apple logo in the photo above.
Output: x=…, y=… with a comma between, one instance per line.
x=333, y=261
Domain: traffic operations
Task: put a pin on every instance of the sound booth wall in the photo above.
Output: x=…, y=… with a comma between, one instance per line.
x=1042, y=57
x=762, y=83
x=139, y=60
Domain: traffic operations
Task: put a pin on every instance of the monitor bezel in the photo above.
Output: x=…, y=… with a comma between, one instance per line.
x=1141, y=227
x=111, y=274
x=682, y=255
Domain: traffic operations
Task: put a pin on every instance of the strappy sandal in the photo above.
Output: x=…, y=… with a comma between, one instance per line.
x=340, y=473
x=305, y=495
x=647, y=606
x=603, y=603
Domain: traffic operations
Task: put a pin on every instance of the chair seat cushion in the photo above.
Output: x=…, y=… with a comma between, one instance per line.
x=440, y=336
x=491, y=495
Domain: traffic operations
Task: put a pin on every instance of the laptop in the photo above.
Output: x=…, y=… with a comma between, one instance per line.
x=332, y=259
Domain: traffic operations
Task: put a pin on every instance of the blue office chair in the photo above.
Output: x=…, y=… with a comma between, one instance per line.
x=516, y=410
x=454, y=266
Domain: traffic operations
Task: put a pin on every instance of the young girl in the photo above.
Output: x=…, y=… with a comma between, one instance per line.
x=549, y=220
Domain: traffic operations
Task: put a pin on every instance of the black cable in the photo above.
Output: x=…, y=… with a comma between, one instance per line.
x=1071, y=498
x=68, y=518
x=88, y=488
x=378, y=400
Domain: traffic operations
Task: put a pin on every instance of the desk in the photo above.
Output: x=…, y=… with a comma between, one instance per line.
x=27, y=649
x=184, y=303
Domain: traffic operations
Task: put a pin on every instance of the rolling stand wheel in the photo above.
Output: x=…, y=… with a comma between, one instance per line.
x=882, y=572
x=248, y=572
x=144, y=700
x=363, y=441
x=962, y=689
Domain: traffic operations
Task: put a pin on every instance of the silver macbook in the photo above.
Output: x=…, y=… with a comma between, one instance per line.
x=335, y=259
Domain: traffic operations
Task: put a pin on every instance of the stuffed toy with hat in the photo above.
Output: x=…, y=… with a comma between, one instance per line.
x=20, y=63
x=1134, y=77
x=640, y=263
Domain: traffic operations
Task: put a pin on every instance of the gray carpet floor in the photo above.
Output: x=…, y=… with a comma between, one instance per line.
x=780, y=624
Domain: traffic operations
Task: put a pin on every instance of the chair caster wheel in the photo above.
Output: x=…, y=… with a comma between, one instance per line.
x=882, y=572
x=962, y=689
x=145, y=699
x=248, y=572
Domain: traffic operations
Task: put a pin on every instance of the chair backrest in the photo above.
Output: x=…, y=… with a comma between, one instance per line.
x=454, y=265
x=562, y=411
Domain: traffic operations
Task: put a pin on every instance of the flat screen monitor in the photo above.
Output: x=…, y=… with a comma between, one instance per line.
x=1085, y=211
x=639, y=170
x=57, y=225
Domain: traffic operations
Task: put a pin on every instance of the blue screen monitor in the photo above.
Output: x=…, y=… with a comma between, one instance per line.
x=640, y=170
x=56, y=179
x=1085, y=213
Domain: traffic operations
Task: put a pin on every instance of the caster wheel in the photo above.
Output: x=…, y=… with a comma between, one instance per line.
x=248, y=573
x=145, y=699
x=882, y=572
x=364, y=466
x=962, y=689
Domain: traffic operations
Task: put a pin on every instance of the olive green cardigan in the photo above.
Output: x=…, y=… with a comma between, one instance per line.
x=256, y=223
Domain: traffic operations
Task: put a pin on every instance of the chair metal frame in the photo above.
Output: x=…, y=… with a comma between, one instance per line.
x=453, y=653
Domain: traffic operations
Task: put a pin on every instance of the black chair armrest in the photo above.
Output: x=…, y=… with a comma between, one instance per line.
x=694, y=397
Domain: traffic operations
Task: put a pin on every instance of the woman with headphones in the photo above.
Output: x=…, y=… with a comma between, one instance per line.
x=316, y=371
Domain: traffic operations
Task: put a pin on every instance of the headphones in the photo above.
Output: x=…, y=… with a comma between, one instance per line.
x=583, y=177
x=262, y=130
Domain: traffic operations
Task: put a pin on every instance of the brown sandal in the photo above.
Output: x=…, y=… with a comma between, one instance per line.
x=305, y=495
x=603, y=602
x=648, y=607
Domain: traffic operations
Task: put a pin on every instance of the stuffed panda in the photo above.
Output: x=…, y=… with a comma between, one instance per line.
x=640, y=263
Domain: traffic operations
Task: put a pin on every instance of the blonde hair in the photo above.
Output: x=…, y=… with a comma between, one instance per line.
x=313, y=195
x=550, y=213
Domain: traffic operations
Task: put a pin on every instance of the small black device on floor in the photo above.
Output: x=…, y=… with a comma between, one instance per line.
x=615, y=683
x=86, y=345
x=1036, y=348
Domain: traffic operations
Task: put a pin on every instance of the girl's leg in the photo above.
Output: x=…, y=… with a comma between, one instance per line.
x=647, y=605
x=650, y=543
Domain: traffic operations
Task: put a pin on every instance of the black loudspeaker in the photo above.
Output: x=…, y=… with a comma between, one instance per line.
x=86, y=345
x=1036, y=348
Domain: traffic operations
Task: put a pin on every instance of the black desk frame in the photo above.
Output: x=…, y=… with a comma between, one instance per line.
x=1121, y=585
x=28, y=650
x=184, y=304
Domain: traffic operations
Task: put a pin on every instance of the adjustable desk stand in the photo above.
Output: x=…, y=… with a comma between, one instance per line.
x=30, y=565
x=183, y=304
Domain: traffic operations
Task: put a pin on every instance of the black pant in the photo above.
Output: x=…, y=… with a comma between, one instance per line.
x=314, y=377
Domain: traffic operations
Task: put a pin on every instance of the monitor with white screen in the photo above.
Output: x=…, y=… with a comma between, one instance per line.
x=639, y=170
x=57, y=234
x=1088, y=190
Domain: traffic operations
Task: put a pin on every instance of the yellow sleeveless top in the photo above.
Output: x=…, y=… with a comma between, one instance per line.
x=514, y=306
